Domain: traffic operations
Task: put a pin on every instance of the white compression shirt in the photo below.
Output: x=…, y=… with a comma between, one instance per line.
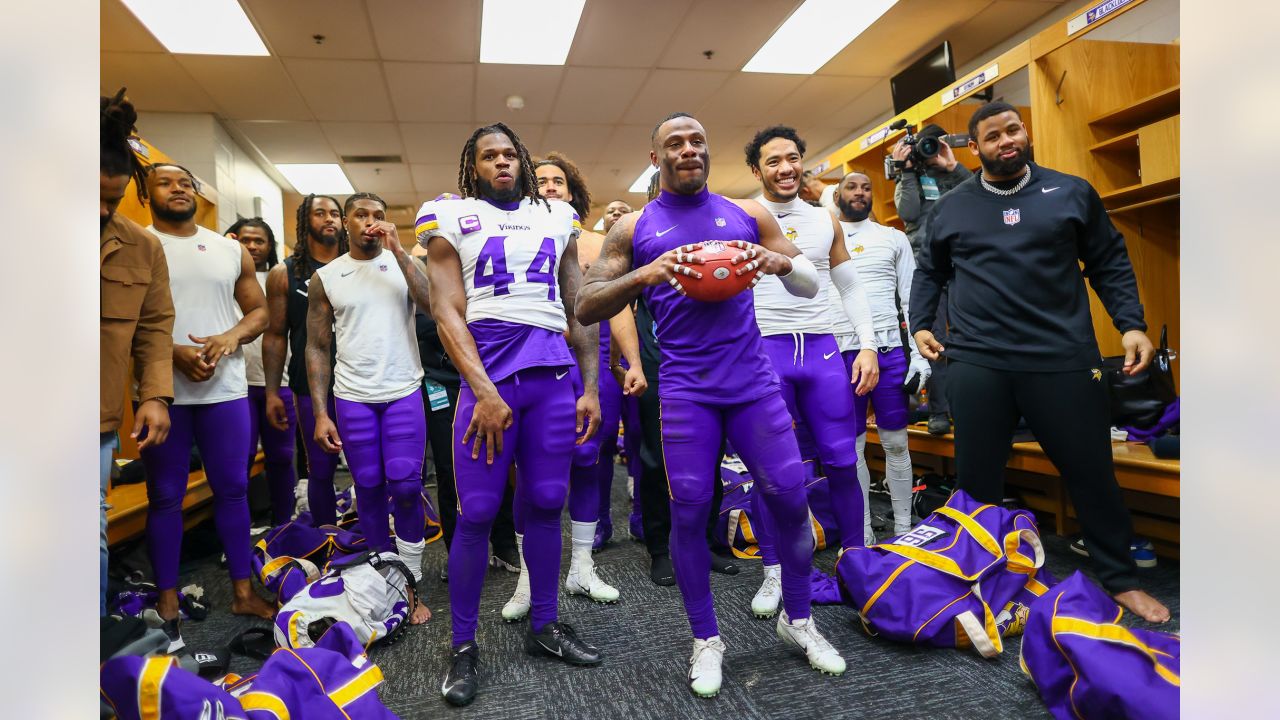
x=778, y=312
x=882, y=256
x=253, y=369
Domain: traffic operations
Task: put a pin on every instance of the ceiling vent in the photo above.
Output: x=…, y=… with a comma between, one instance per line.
x=372, y=159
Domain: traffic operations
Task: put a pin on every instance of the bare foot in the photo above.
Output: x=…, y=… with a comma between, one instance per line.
x=251, y=604
x=1143, y=605
x=421, y=614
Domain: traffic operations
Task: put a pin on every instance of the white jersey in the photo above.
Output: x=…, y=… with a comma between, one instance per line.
x=510, y=258
x=373, y=601
x=203, y=270
x=882, y=256
x=253, y=370
x=778, y=312
x=378, y=358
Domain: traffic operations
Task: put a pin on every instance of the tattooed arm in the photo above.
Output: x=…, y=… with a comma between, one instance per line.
x=585, y=339
x=319, y=340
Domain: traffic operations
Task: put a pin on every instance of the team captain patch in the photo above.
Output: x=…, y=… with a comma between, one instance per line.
x=469, y=224
x=1012, y=216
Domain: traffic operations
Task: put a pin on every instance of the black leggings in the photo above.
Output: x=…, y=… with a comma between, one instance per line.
x=1070, y=417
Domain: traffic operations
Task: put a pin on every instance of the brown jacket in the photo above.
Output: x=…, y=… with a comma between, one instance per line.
x=137, y=318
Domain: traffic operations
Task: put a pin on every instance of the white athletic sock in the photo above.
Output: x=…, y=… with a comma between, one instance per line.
x=411, y=554
x=582, y=535
x=522, y=583
x=773, y=570
x=897, y=473
x=864, y=479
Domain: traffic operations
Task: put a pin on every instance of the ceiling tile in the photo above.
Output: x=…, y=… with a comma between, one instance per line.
x=625, y=34
x=431, y=179
x=342, y=89
x=427, y=31
x=668, y=91
x=379, y=178
x=733, y=29
x=596, y=95
x=628, y=145
x=537, y=84
x=155, y=82
x=363, y=138
x=119, y=30
x=435, y=142
x=748, y=98
x=432, y=92
x=582, y=143
x=813, y=103
x=289, y=142
x=288, y=27
x=270, y=96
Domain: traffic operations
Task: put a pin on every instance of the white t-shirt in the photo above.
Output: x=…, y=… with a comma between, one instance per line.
x=253, y=369
x=378, y=358
x=883, y=259
x=203, y=270
x=510, y=258
x=778, y=312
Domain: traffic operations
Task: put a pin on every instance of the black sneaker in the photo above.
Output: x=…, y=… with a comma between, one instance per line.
x=939, y=424
x=559, y=640
x=507, y=558
x=462, y=682
x=444, y=572
x=661, y=572
x=174, y=631
x=723, y=565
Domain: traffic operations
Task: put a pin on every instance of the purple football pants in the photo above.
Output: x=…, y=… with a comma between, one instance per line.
x=631, y=442
x=384, y=444
x=321, y=465
x=591, y=475
x=540, y=443
x=221, y=432
x=888, y=398
x=761, y=432
x=277, y=449
x=815, y=386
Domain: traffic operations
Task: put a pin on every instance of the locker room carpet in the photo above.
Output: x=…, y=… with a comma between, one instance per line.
x=646, y=641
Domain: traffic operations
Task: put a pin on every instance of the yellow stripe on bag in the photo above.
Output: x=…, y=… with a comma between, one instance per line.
x=1118, y=635
x=150, y=685
x=358, y=686
x=885, y=586
x=978, y=532
x=941, y=563
x=265, y=701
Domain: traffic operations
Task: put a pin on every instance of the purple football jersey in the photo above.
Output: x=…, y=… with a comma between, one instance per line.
x=711, y=351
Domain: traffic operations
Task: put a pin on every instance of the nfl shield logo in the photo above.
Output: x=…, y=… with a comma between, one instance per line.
x=719, y=222
x=1012, y=217
x=200, y=247
x=383, y=268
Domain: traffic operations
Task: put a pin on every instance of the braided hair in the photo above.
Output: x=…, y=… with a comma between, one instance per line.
x=116, y=156
x=573, y=178
x=467, y=184
x=303, y=265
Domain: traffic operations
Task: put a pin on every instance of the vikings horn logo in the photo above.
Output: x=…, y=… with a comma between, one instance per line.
x=1096, y=374
x=792, y=234
x=858, y=248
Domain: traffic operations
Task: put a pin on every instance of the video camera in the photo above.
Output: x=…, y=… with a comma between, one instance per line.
x=922, y=148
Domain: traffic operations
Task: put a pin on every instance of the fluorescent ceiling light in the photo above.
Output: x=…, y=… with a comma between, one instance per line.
x=321, y=179
x=641, y=185
x=207, y=27
x=814, y=33
x=521, y=32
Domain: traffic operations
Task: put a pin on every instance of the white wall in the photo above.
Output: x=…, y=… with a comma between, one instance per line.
x=198, y=142
x=1154, y=21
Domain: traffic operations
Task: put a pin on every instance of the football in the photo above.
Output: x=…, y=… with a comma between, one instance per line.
x=720, y=280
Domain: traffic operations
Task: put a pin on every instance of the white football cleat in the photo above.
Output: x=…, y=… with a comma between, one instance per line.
x=769, y=596
x=517, y=608
x=804, y=635
x=704, y=667
x=583, y=580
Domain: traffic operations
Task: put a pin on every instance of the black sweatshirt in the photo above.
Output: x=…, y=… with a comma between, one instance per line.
x=1017, y=299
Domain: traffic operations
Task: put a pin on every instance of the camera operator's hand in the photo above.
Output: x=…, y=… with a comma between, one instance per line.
x=945, y=159
x=902, y=153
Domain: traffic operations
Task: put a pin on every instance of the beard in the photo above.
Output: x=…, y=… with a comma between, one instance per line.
x=324, y=239
x=487, y=189
x=691, y=185
x=1004, y=168
x=851, y=213
x=174, y=216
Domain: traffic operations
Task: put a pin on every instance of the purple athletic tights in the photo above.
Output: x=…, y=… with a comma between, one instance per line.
x=761, y=432
x=384, y=444
x=277, y=448
x=221, y=432
x=540, y=443
x=321, y=465
x=591, y=476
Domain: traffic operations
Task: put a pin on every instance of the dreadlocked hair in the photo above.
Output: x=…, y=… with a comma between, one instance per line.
x=577, y=185
x=467, y=184
x=116, y=122
x=302, y=262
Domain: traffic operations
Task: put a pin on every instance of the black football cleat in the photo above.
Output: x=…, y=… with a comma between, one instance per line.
x=462, y=682
x=560, y=641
